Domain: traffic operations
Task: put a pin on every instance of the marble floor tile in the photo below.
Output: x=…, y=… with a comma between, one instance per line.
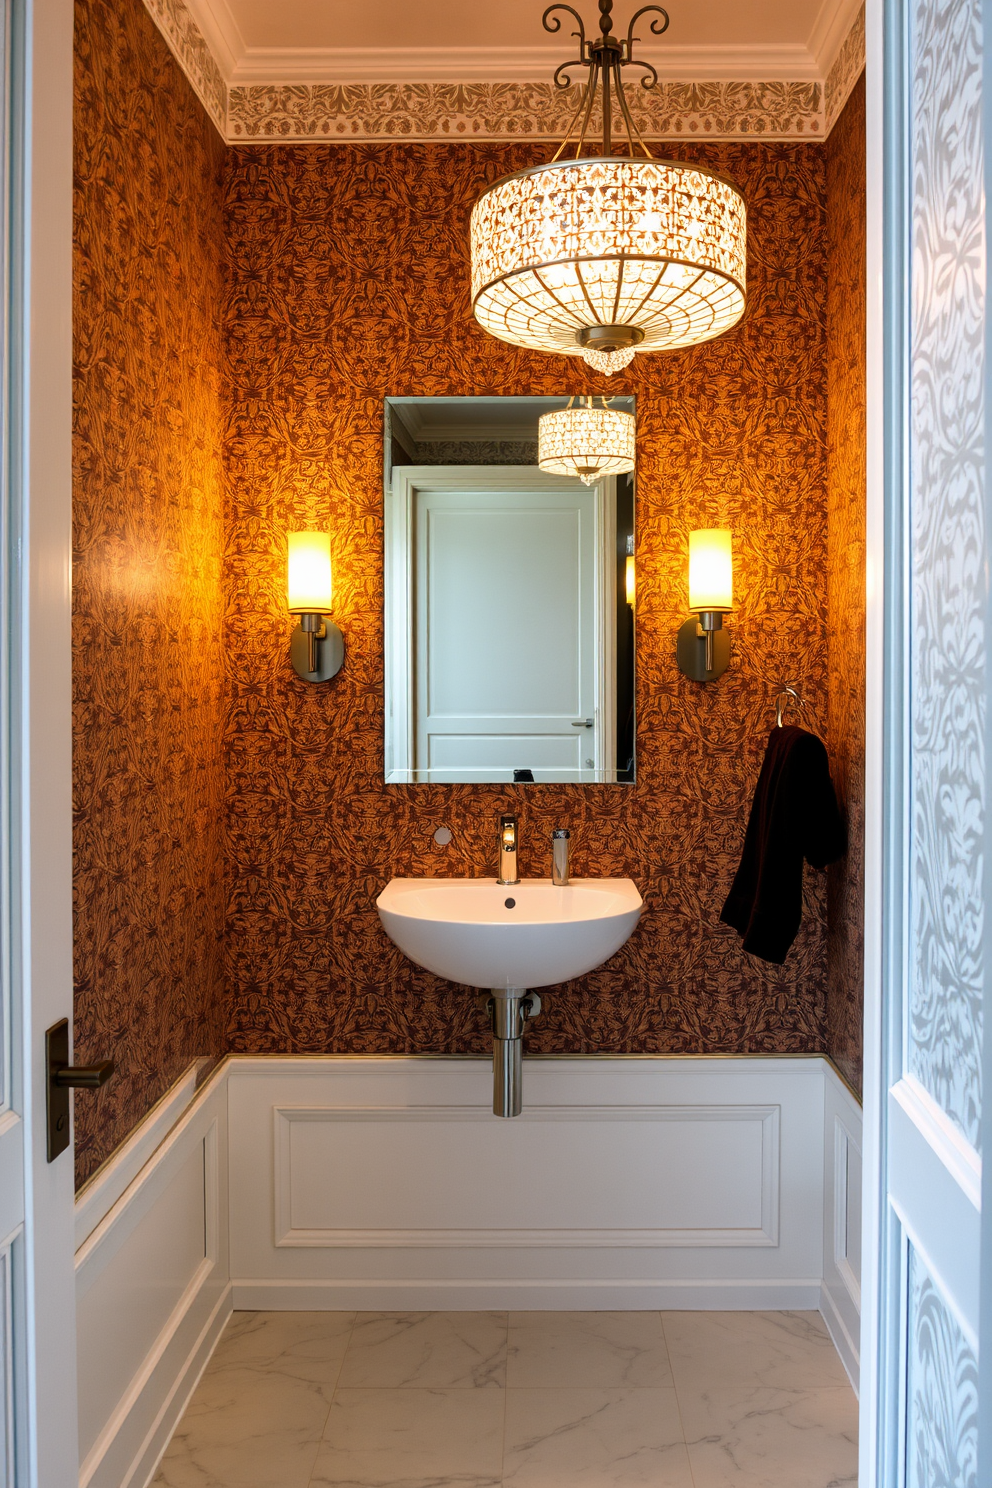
x=431, y=1350
x=792, y=1350
x=412, y=1438
x=574, y=1438
x=247, y=1428
x=586, y=1349
x=304, y=1345
x=763, y=1438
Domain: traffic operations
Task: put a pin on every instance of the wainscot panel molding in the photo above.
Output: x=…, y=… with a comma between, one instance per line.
x=382, y=1182
x=152, y=1287
x=840, y=1297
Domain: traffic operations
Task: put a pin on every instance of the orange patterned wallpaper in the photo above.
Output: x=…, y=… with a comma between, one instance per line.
x=845, y=152
x=148, y=538
x=348, y=281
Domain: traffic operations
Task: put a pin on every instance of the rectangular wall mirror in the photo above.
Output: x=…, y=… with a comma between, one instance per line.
x=509, y=601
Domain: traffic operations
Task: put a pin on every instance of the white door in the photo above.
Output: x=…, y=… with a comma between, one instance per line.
x=929, y=955
x=511, y=632
x=38, y=1446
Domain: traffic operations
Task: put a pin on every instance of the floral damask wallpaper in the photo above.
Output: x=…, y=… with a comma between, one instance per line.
x=846, y=287
x=348, y=281
x=148, y=538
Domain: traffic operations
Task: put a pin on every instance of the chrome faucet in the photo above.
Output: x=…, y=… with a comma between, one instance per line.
x=506, y=872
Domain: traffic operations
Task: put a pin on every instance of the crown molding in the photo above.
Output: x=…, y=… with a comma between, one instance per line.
x=792, y=63
x=221, y=32
x=831, y=29
x=312, y=95
x=845, y=71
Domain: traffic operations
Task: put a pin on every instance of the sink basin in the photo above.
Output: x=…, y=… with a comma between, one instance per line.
x=530, y=934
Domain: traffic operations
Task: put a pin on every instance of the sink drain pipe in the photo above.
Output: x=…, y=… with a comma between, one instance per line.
x=510, y=1009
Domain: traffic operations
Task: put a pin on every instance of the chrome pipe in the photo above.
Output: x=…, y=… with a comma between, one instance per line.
x=509, y=1010
x=508, y=1073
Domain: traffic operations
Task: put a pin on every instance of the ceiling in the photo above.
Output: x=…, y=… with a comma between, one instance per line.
x=258, y=41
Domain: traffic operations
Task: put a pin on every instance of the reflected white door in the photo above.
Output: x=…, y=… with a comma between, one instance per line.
x=509, y=624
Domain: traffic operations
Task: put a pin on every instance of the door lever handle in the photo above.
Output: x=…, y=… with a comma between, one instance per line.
x=84, y=1076
x=583, y=723
x=63, y=1077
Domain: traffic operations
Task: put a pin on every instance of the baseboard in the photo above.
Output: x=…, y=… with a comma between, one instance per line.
x=145, y=1464
x=848, y=1347
x=525, y=1296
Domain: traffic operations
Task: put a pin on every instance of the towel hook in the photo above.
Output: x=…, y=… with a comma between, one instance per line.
x=789, y=693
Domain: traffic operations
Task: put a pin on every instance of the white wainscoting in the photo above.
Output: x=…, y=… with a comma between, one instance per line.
x=152, y=1284
x=655, y=1182
x=840, y=1300
x=365, y=1182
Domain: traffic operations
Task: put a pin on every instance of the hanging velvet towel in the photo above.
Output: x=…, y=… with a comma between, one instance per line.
x=794, y=816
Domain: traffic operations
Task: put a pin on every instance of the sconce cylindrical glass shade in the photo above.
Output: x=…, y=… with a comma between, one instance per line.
x=309, y=573
x=711, y=570
x=630, y=580
x=651, y=248
x=587, y=442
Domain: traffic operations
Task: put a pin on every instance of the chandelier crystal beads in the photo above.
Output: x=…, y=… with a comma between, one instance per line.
x=605, y=256
x=586, y=441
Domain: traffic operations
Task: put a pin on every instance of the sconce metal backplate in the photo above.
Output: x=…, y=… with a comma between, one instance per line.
x=690, y=652
x=330, y=653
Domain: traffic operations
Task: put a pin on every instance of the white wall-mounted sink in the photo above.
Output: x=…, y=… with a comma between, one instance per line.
x=530, y=934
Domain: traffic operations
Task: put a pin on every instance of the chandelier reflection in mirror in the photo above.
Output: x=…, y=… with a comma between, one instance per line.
x=604, y=256
x=586, y=441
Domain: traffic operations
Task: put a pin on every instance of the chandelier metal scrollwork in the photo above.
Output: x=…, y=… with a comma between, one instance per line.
x=602, y=256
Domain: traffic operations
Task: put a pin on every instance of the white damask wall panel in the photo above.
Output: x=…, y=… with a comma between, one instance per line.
x=948, y=668
x=942, y=1398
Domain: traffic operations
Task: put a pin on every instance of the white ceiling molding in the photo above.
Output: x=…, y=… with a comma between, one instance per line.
x=847, y=68
x=509, y=64
x=221, y=33
x=457, y=93
x=832, y=26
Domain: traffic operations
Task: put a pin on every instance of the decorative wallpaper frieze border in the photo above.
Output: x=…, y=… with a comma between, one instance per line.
x=353, y=112
x=506, y=111
x=189, y=47
x=848, y=67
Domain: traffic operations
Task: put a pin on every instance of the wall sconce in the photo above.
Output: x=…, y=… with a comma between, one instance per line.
x=317, y=647
x=630, y=573
x=703, y=648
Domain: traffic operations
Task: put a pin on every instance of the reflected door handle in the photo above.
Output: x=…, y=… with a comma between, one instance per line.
x=583, y=723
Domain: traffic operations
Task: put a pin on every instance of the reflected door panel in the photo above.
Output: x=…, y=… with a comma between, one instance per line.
x=504, y=585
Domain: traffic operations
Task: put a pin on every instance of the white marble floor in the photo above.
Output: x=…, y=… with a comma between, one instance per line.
x=520, y=1399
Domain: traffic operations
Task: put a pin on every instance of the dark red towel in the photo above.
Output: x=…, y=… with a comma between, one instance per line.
x=794, y=815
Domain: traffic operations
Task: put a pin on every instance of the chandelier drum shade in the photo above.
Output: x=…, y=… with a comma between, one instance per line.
x=603, y=256
x=586, y=441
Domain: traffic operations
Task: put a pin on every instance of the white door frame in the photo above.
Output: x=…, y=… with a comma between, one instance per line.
x=398, y=598
x=40, y=702
x=874, y=733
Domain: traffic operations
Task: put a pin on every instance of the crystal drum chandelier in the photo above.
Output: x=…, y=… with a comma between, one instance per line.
x=586, y=441
x=604, y=256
